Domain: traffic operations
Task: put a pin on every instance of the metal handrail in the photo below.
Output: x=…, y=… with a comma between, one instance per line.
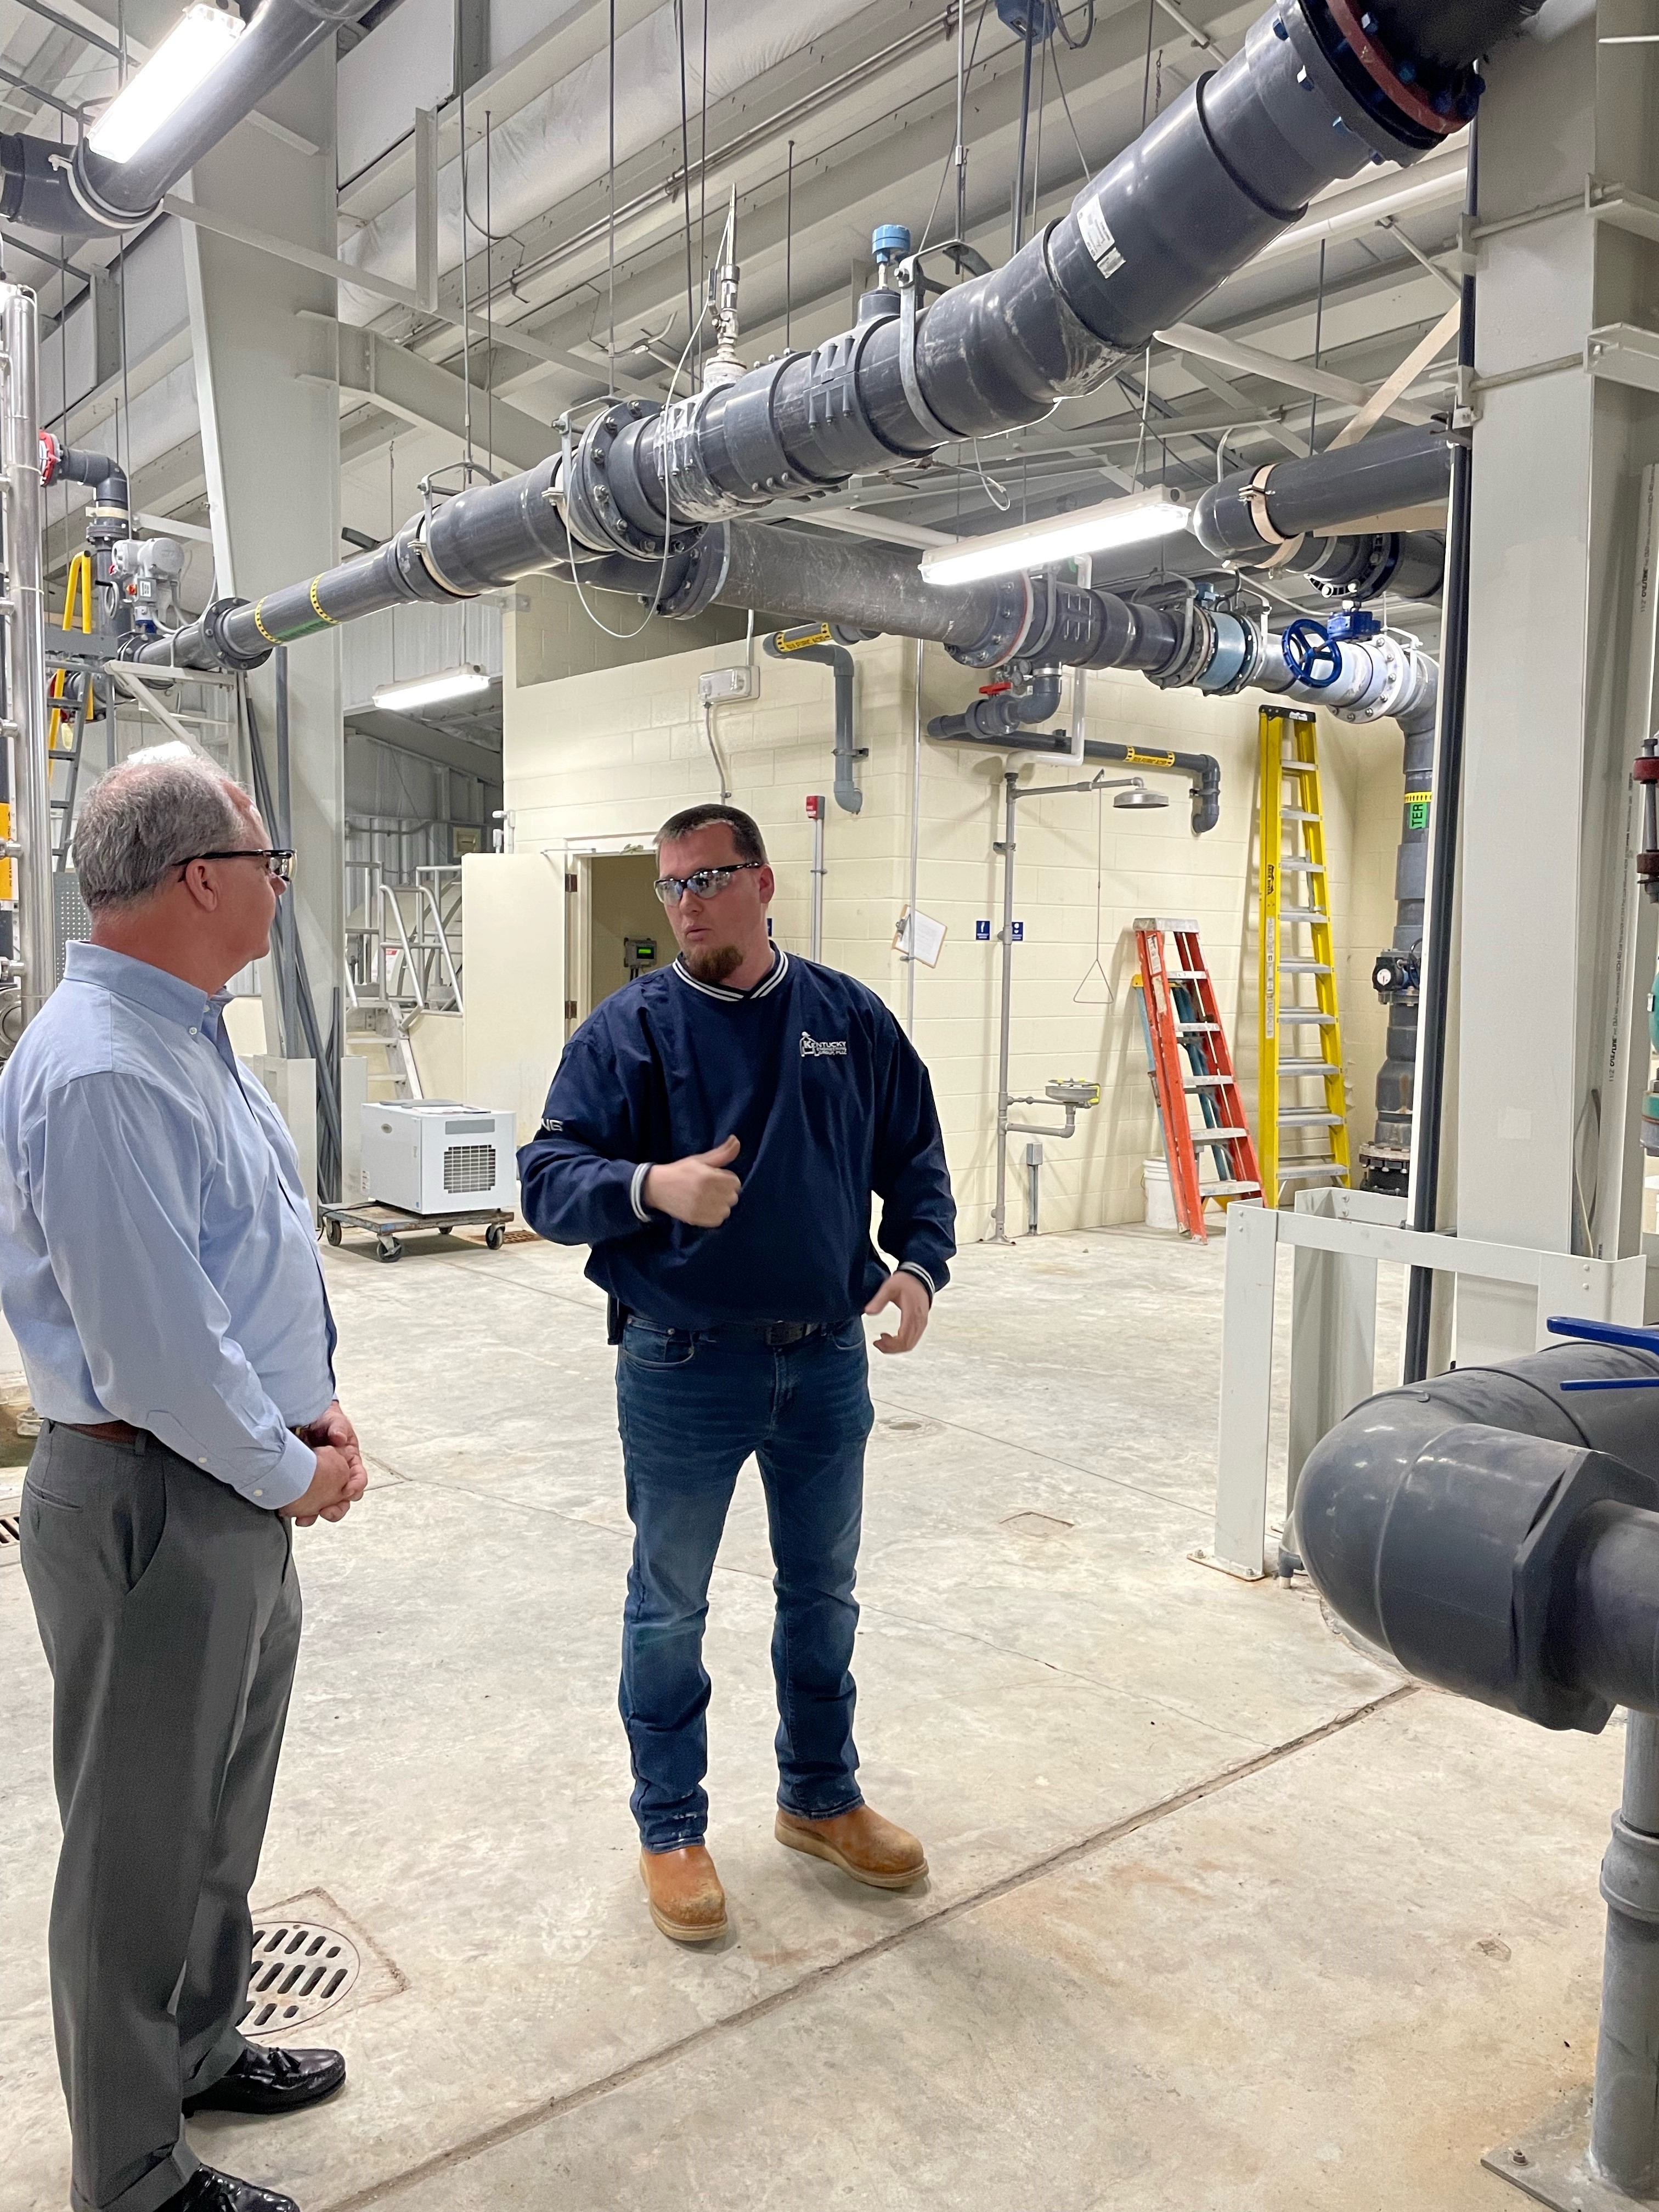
x=388, y=893
x=424, y=892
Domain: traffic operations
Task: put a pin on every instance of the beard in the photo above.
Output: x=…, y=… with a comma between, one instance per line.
x=712, y=964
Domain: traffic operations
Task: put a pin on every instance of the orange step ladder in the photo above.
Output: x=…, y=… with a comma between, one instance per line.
x=1189, y=1058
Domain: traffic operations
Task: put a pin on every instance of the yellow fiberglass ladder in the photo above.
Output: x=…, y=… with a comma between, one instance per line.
x=1301, y=1117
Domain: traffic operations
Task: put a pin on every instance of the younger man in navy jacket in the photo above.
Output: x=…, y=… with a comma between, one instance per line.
x=715, y=1132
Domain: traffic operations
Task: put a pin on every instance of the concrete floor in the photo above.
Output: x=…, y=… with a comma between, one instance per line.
x=1221, y=1915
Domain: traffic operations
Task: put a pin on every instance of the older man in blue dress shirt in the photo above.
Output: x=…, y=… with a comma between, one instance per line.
x=159, y=1269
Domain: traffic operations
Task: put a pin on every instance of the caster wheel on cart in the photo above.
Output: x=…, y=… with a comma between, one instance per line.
x=445, y=1229
x=495, y=1236
x=334, y=1232
x=389, y=1248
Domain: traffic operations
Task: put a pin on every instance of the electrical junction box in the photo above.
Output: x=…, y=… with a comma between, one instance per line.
x=432, y=1156
x=716, y=686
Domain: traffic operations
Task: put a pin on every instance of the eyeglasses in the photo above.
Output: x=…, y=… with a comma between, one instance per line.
x=706, y=882
x=278, y=859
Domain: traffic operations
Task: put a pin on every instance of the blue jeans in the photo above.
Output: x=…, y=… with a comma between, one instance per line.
x=691, y=1411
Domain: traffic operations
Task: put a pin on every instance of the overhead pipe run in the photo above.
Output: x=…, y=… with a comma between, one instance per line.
x=827, y=644
x=75, y=194
x=1251, y=517
x=1305, y=103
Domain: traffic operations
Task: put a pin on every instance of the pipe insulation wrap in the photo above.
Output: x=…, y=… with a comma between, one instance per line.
x=1499, y=1538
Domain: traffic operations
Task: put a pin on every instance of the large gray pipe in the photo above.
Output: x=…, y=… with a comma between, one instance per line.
x=1501, y=1540
x=75, y=193
x=1233, y=163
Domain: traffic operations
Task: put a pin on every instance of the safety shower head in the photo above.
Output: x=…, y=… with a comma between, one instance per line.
x=1138, y=795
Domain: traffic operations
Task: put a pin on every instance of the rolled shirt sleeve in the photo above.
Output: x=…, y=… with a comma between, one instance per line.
x=117, y=1179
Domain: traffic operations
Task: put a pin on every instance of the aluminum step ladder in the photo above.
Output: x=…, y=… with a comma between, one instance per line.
x=1188, y=1060
x=1301, y=1090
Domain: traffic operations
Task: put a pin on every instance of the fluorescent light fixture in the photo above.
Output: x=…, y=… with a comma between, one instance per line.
x=186, y=58
x=1127, y=521
x=428, y=690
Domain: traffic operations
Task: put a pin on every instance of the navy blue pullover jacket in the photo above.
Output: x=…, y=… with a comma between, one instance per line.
x=829, y=1101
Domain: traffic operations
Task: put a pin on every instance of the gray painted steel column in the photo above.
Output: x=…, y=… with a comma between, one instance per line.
x=1554, y=522
x=271, y=442
x=1624, y=2118
x=36, y=943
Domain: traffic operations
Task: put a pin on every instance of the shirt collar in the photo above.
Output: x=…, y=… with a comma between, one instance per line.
x=155, y=989
x=780, y=969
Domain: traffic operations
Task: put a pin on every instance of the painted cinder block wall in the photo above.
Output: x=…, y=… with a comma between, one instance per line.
x=596, y=760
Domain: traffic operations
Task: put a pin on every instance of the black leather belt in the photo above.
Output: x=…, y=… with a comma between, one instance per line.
x=776, y=1334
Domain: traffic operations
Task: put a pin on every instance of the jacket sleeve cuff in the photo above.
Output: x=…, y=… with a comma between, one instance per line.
x=915, y=1267
x=636, y=1192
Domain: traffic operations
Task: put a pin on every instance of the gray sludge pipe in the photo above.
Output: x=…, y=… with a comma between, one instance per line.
x=75, y=193
x=1502, y=1541
x=827, y=645
x=1228, y=167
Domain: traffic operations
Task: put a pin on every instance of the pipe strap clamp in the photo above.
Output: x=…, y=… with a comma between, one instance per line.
x=912, y=283
x=1630, y=1872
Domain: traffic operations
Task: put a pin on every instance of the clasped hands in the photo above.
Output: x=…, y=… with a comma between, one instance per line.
x=340, y=1479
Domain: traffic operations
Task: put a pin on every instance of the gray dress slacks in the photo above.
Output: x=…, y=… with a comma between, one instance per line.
x=169, y=1609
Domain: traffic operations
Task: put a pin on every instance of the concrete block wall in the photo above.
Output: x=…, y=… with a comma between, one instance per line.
x=600, y=758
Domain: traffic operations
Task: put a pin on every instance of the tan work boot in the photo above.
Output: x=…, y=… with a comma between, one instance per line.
x=684, y=1894
x=861, y=1843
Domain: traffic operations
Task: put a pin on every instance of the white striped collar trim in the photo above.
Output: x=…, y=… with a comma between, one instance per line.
x=780, y=968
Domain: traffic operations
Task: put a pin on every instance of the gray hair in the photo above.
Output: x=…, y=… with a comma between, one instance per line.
x=158, y=808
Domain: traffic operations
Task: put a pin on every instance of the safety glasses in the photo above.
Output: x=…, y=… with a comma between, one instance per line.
x=705, y=884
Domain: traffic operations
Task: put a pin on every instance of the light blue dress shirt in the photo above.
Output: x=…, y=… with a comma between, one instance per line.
x=158, y=1264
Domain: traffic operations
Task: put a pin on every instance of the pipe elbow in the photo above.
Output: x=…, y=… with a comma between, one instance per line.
x=1206, y=794
x=1448, y=1524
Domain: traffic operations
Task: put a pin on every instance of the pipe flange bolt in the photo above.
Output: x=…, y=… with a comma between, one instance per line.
x=591, y=507
x=702, y=576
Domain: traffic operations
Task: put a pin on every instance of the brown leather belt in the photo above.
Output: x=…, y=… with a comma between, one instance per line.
x=108, y=1432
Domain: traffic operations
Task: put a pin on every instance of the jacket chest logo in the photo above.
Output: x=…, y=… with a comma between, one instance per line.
x=813, y=1048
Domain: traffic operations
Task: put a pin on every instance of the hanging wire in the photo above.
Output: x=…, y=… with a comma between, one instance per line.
x=702, y=166
x=1077, y=45
x=999, y=494
x=964, y=70
x=121, y=264
x=1319, y=339
x=489, y=301
x=685, y=166
x=1146, y=72
x=1036, y=157
x=1146, y=402
x=789, y=248
x=466, y=317
x=1060, y=84
x=611, y=220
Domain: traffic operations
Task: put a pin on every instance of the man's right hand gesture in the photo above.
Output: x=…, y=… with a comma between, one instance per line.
x=338, y=1482
x=700, y=1190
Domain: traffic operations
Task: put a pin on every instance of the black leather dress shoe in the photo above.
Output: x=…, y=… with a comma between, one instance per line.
x=265, y=2081
x=208, y=2190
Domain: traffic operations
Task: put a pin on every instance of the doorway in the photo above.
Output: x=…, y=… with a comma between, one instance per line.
x=628, y=933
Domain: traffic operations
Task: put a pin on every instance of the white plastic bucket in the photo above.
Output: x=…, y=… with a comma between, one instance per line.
x=1160, y=1197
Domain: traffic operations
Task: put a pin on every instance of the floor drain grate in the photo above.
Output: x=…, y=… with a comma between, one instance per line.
x=11, y=1529
x=299, y=1971
x=309, y=1960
